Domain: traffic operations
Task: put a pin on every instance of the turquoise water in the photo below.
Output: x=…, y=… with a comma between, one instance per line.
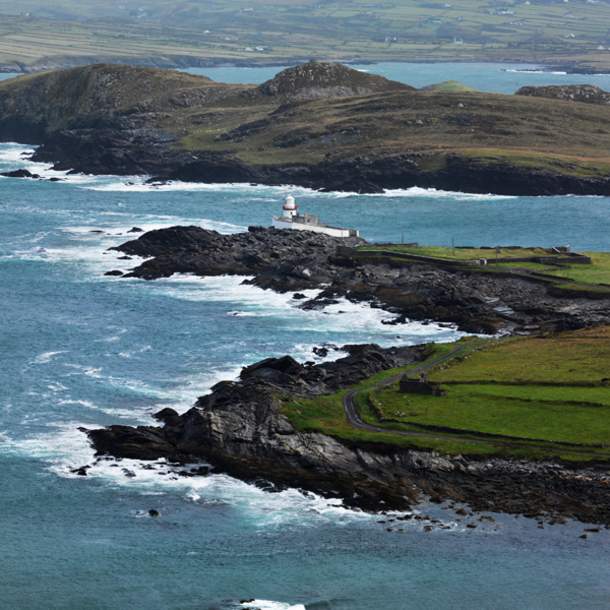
x=81, y=349
x=497, y=78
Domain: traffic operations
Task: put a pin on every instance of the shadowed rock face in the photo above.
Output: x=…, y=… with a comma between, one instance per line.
x=240, y=428
x=318, y=125
x=297, y=260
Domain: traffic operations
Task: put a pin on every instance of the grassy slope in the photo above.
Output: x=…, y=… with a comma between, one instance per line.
x=526, y=397
x=484, y=129
x=579, y=275
x=458, y=254
x=570, y=139
x=539, y=32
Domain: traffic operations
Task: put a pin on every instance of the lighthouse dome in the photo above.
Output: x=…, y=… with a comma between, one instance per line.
x=290, y=204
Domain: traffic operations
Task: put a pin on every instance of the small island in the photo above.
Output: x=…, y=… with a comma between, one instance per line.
x=517, y=421
x=320, y=125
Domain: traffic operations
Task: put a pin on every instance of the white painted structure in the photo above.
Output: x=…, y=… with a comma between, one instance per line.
x=292, y=219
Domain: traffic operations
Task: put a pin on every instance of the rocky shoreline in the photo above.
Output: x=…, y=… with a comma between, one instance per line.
x=292, y=261
x=240, y=428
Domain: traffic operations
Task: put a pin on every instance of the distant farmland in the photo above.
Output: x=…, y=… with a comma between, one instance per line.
x=35, y=34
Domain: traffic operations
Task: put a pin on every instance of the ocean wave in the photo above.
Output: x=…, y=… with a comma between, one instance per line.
x=180, y=395
x=275, y=193
x=433, y=193
x=264, y=604
x=535, y=71
x=12, y=152
x=46, y=357
x=352, y=321
x=140, y=184
x=90, y=244
x=17, y=156
x=65, y=449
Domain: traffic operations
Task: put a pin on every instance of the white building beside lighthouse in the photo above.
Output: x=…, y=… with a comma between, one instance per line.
x=292, y=219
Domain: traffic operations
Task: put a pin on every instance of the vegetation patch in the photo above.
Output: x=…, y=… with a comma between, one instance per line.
x=587, y=274
x=534, y=397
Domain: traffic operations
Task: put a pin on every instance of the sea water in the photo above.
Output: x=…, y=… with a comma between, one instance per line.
x=78, y=348
x=492, y=77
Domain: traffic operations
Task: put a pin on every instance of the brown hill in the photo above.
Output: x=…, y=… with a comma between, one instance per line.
x=316, y=80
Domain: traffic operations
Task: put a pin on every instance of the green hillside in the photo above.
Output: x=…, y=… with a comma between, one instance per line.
x=523, y=397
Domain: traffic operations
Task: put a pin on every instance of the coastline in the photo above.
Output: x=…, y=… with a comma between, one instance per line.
x=370, y=134
x=243, y=428
x=242, y=431
x=189, y=62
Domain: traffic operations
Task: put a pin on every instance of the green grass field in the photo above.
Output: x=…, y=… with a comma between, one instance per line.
x=593, y=277
x=458, y=254
x=540, y=32
x=521, y=397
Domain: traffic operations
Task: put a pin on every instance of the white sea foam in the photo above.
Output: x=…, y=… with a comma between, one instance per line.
x=46, y=357
x=139, y=185
x=180, y=395
x=344, y=317
x=525, y=70
x=12, y=152
x=90, y=245
x=264, y=604
x=416, y=191
x=64, y=448
x=17, y=156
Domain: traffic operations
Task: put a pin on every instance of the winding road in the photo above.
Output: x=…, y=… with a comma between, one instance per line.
x=351, y=412
x=354, y=419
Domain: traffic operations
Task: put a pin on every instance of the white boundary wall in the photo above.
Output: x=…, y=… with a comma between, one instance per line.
x=278, y=223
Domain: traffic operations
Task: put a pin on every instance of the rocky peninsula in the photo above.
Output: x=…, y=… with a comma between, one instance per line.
x=418, y=288
x=318, y=125
x=240, y=428
x=249, y=428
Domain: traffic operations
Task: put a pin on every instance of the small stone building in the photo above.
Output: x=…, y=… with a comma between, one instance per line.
x=420, y=386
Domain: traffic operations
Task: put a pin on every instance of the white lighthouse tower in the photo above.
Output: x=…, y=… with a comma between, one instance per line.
x=292, y=219
x=290, y=209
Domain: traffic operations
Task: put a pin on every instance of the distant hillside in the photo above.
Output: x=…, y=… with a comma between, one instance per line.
x=38, y=34
x=51, y=101
x=318, y=125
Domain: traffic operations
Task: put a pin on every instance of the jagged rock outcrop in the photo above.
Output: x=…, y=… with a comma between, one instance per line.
x=296, y=260
x=589, y=94
x=315, y=80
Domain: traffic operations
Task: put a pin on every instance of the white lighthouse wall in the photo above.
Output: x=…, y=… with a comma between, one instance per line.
x=278, y=223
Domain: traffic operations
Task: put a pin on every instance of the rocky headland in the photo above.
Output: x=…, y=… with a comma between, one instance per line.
x=292, y=261
x=319, y=125
x=240, y=428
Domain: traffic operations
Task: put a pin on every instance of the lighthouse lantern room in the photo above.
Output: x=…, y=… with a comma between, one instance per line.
x=290, y=209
